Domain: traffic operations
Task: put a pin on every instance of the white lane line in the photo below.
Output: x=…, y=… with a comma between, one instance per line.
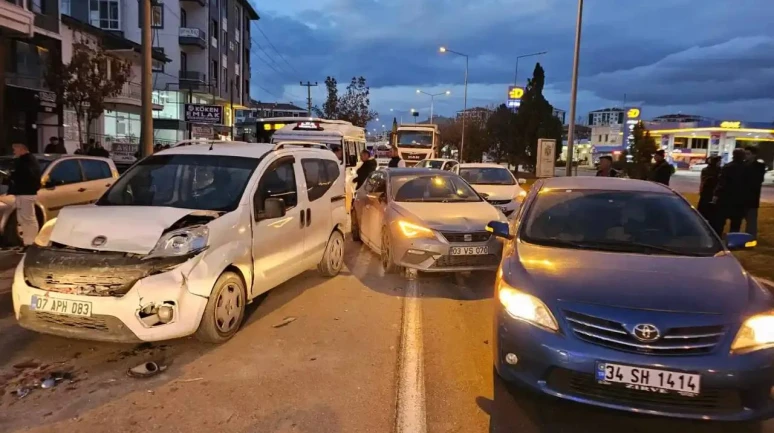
x=411, y=381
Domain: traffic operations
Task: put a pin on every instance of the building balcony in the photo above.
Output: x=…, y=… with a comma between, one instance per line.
x=200, y=2
x=192, y=37
x=34, y=82
x=15, y=18
x=194, y=81
x=47, y=22
x=130, y=95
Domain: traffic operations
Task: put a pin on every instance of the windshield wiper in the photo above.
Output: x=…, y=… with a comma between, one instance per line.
x=629, y=245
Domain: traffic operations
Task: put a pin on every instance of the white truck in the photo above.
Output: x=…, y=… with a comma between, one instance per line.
x=416, y=142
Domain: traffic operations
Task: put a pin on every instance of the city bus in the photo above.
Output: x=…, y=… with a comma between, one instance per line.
x=260, y=130
x=333, y=133
x=416, y=142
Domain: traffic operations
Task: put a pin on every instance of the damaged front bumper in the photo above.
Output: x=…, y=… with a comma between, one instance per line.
x=106, y=296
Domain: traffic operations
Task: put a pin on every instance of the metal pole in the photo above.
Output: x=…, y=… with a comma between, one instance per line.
x=574, y=91
x=464, y=109
x=516, y=74
x=432, y=102
x=146, y=119
x=232, y=109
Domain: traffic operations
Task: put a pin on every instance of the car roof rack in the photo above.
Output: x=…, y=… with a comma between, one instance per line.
x=201, y=141
x=282, y=144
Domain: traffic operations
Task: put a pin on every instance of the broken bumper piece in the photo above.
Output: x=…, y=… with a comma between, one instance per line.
x=106, y=296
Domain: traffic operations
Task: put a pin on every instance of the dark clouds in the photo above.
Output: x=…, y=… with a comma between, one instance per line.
x=663, y=53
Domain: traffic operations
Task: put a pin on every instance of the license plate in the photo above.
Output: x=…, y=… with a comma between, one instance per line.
x=468, y=251
x=60, y=306
x=649, y=379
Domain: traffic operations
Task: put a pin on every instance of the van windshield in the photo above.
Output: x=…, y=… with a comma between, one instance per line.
x=201, y=182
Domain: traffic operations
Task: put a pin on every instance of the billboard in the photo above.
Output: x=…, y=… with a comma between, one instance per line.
x=199, y=113
x=631, y=119
x=515, y=93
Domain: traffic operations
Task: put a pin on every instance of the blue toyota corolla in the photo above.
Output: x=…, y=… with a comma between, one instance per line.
x=617, y=293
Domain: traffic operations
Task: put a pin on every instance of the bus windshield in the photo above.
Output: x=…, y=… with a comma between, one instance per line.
x=419, y=139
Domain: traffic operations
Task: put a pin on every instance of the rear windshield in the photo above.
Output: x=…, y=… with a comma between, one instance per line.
x=432, y=188
x=438, y=165
x=487, y=176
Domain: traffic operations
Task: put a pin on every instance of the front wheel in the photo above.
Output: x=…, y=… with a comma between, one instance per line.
x=225, y=310
x=388, y=261
x=355, y=229
x=333, y=258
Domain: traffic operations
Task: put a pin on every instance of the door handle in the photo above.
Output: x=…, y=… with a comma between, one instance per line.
x=108, y=184
x=308, y=217
x=81, y=189
x=303, y=219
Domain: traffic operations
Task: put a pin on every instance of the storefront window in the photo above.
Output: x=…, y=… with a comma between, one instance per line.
x=122, y=126
x=171, y=103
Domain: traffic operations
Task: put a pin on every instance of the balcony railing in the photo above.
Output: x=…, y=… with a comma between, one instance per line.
x=131, y=91
x=193, y=76
x=47, y=22
x=192, y=36
x=26, y=81
x=201, y=2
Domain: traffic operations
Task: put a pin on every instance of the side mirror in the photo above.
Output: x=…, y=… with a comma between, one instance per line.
x=740, y=241
x=484, y=195
x=272, y=208
x=499, y=229
x=377, y=195
x=522, y=181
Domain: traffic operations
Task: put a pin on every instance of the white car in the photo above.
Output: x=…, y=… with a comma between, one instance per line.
x=182, y=241
x=438, y=164
x=697, y=167
x=495, y=183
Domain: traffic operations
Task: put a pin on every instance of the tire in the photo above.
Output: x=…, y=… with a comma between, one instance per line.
x=11, y=236
x=388, y=261
x=218, y=324
x=355, y=229
x=333, y=258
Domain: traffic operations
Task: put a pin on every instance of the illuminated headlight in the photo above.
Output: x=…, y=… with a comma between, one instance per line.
x=189, y=240
x=755, y=333
x=528, y=308
x=43, y=239
x=520, y=196
x=410, y=230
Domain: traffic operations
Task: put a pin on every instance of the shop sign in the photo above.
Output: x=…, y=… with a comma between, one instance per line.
x=515, y=93
x=199, y=113
x=632, y=119
x=546, y=157
x=308, y=126
x=665, y=141
x=731, y=124
x=47, y=101
x=202, y=131
x=714, y=139
x=124, y=150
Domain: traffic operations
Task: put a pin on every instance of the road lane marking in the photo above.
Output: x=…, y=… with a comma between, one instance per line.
x=410, y=417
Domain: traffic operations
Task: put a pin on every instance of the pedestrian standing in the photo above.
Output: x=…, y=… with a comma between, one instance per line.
x=731, y=197
x=365, y=170
x=756, y=171
x=606, y=167
x=55, y=146
x=24, y=185
x=661, y=171
x=96, y=149
x=395, y=161
x=709, y=181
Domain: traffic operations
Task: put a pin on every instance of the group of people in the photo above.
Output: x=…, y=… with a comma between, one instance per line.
x=56, y=146
x=732, y=193
x=660, y=172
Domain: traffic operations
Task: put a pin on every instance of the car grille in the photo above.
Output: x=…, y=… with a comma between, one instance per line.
x=466, y=261
x=88, y=323
x=453, y=237
x=695, y=340
x=711, y=400
x=499, y=202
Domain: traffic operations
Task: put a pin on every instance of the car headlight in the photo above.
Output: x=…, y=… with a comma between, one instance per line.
x=189, y=240
x=43, y=239
x=410, y=230
x=521, y=195
x=756, y=332
x=522, y=306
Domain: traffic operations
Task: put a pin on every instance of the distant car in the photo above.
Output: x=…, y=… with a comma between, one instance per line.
x=438, y=164
x=617, y=293
x=66, y=180
x=495, y=183
x=699, y=166
x=423, y=219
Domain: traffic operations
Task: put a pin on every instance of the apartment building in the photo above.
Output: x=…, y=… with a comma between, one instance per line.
x=606, y=117
x=208, y=44
x=29, y=42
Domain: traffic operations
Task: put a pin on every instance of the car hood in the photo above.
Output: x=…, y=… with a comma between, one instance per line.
x=498, y=192
x=129, y=229
x=457, y=217
x=668, y=283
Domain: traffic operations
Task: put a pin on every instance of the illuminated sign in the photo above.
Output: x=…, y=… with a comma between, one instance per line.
x=274, y=126
x=308, y=126
x=515, y=94
x=633, y=113
x=632, y=119
x=731, y=125
x=208, y=114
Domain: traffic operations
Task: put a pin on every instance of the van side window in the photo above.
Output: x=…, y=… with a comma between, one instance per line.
x=352, y=155
x=66, y=172
x=278, y=182
x=320, y=175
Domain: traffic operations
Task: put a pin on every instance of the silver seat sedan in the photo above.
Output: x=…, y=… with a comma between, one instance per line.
x=428, y=220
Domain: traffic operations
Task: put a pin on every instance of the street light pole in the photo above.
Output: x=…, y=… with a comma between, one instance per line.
x=432, y=100
x=574, y=91
x=465, y=98
x=516, y=73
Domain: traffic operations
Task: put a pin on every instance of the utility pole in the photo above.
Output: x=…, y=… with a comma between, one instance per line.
x=308, y=86
x=574, y=91
x=146, y=117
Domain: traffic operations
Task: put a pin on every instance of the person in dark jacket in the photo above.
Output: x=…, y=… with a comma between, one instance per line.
x=606, y=167
x=96, y=149
x=756, y=171
x=365, y=170
x=661, y=171
x=55, y=146
x=24, y=185
x=395, y=161
x=709, y=181
x=731, y=195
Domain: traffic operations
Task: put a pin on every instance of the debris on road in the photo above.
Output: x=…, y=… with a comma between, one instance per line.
x=22, y=392
x=286, y=321
x=145, y=370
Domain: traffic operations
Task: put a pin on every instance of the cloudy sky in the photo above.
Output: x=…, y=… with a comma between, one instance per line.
x=707, y=57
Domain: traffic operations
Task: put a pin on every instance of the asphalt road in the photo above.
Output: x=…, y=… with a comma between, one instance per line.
x=365, y=353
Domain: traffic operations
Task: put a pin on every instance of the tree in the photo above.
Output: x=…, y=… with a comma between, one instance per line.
x=501, y=132
x=641, y=149
x=354, y=105
x=535, y=119
x=83, y=84
x=317, y=112
x=330, y=109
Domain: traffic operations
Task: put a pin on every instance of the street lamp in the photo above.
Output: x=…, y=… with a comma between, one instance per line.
x=465, y=98
x=432, y=100
x=401, y=111
x=574, y=90
x=516, y=74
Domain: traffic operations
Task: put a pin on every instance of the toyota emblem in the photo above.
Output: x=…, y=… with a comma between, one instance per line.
x=646, y=332
x=98, y=241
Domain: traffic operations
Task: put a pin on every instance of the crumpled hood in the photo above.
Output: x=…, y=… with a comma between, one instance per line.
x=457, y=217
x=498, y=192
x=129, y=229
